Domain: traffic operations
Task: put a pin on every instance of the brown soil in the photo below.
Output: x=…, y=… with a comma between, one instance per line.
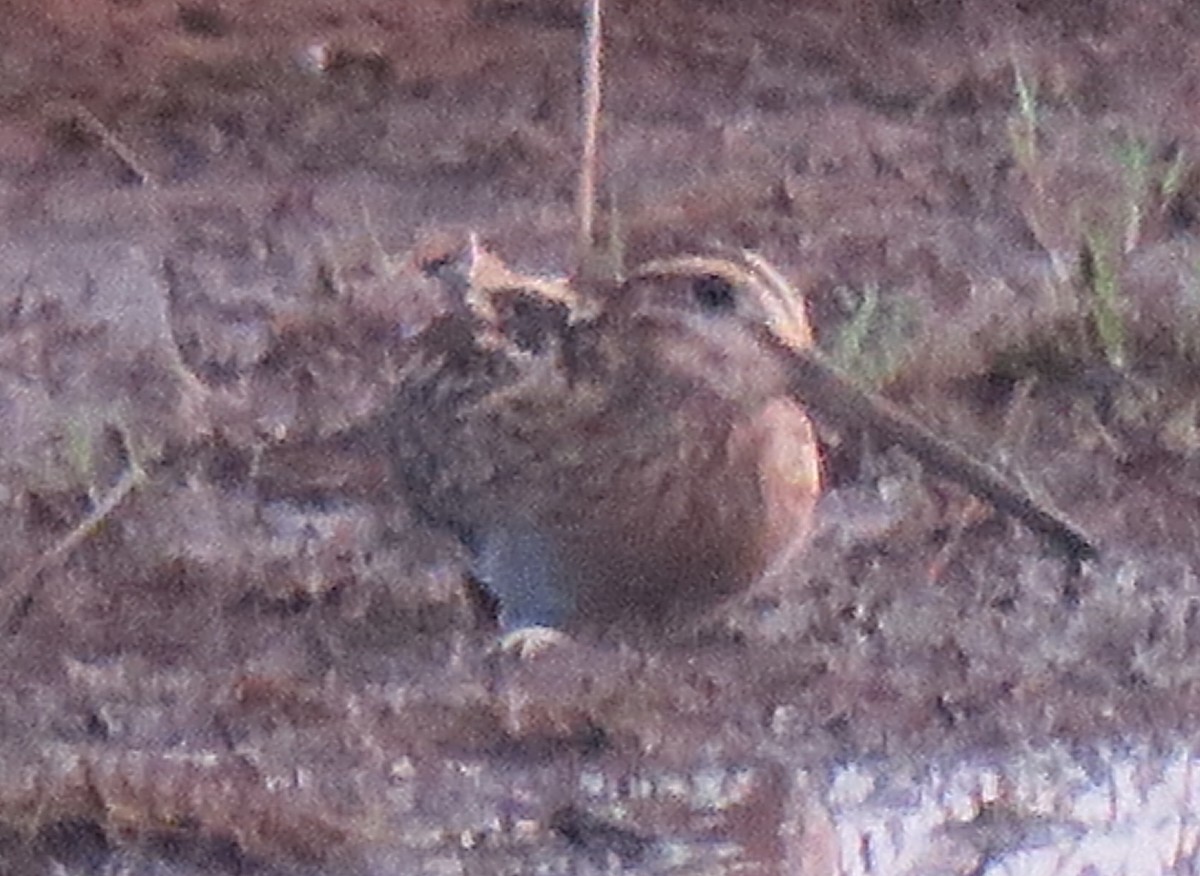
x=208, y=207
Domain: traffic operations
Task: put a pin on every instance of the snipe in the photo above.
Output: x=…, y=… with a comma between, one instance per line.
x=615, y=456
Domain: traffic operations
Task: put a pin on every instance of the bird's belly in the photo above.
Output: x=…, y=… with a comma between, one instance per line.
x=652, y=536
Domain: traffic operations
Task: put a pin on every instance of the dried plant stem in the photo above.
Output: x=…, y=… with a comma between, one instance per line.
x=118, y=147
x=20, y=589
x=586, y=204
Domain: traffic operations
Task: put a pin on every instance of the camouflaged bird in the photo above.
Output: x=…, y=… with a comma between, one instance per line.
x=616, y=456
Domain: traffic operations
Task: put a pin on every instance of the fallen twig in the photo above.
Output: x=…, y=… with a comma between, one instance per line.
x=21, y=588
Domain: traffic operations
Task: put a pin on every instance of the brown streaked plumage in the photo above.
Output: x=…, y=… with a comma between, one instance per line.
x=617, y=457
x=624, y=456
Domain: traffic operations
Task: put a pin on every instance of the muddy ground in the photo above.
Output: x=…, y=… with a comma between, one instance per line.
x=208, y=213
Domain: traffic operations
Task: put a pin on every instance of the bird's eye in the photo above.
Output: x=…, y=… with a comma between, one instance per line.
x=432, y=267
x=714, y=293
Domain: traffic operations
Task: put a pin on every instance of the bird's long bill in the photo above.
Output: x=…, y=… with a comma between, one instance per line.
x=829, y=395
x=826, y=392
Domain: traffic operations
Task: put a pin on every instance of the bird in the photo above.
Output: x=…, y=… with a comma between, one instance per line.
x=618, y=456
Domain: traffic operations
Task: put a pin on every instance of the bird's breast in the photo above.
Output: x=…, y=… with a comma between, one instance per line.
x=663, y=469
